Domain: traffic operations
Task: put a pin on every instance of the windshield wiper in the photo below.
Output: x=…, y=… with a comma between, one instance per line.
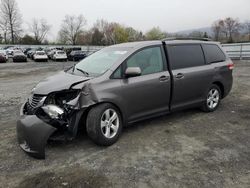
x=82, y=71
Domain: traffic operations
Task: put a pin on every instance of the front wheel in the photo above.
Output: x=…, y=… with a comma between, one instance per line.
x=104, y=124
x=212, y=100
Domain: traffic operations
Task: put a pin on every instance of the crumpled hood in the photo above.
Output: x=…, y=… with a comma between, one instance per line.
x=58, y=82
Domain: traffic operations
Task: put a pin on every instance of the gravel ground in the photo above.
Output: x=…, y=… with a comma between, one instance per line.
x=184, y=149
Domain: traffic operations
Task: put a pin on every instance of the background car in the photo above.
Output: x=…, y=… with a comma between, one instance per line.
x=59, y=55
x=10, y=53
x=51, y=51
x=25, y=51
x=40, y=56
x=76, y=55
x=3, y=52
x=30, y=53
x=19, y=56
x=2, y=58
x=69, y=50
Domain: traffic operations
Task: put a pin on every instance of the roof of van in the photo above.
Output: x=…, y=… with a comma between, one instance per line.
x=157, y=42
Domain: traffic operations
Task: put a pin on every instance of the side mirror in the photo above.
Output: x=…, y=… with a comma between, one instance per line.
x=132, y=72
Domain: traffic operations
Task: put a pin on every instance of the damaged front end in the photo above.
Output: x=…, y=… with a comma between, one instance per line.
x=54, y=116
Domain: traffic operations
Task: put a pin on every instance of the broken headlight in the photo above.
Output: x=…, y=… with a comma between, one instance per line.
x=62, y=97
x=53, y=111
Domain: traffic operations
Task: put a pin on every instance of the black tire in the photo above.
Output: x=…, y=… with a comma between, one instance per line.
x=205, y=107
x=93, y=125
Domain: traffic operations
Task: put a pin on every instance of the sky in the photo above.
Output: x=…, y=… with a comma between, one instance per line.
x=169, y=15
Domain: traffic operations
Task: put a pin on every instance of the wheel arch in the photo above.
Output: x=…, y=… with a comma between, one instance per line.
x=86, y=111
x=221, y=86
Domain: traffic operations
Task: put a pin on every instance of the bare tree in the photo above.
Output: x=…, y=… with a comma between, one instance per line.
x=108, y=31
x=10, y=18
x=218, y=29
x=247, y=27
x=4, y=28
x=39, y=29
x=232, y=27
x=71, y=28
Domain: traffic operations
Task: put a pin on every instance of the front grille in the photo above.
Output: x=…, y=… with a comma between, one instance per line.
x=35, y=99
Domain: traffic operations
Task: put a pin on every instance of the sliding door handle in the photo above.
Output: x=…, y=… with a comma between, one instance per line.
x=179, y=76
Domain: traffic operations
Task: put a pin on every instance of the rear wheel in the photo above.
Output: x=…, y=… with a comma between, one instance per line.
x=104, y=124
x=212, y=100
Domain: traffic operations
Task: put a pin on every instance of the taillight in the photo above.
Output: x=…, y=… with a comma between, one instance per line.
x=230, y=66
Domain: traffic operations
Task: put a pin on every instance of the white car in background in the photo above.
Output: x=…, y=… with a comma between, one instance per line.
x=59, y=55
x=40, y=56
x=10, y=53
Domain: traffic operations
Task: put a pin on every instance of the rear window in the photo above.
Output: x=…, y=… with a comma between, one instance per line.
x=60, y=52
x=184, y=56
x=213, y=53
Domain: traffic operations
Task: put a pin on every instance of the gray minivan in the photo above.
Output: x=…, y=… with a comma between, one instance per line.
x=123, y=84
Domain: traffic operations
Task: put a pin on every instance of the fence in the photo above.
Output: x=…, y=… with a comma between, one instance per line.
x=84, y=48
x=237, y=50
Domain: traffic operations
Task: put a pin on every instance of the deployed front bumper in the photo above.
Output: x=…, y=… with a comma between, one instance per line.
x=32, y=135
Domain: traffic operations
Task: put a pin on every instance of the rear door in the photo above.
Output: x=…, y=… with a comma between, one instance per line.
x=149, y=93
x=222, y=65
x=191, y=75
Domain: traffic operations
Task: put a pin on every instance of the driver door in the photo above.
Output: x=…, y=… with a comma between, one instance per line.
x=148, y=94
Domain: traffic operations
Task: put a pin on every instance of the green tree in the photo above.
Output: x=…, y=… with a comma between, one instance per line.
x=97, y=37
x=205, y=35
x=134, y=35
x=155, y=34
x=27, y=39
x=120, y=33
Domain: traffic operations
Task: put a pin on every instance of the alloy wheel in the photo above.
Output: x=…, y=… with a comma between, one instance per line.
x=109, y=123
x=213, y=98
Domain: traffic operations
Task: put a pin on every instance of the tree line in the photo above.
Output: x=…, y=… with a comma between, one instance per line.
x=73, y=30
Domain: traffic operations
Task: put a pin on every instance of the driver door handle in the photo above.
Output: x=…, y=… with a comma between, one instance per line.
x=163, y=78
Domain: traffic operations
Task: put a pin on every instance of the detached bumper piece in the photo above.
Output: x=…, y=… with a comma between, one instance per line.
x=32, y=134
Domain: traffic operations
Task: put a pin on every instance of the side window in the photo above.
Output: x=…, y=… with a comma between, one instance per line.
x=186, y=55
x=117, y=74
x=213, y=53
x=149, y=60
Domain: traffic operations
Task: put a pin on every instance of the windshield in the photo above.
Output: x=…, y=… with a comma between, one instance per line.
x=99, y=62
x=18, y=53
x=40, y=53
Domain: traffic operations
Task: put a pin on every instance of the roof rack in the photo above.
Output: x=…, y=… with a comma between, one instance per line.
x=186, y=38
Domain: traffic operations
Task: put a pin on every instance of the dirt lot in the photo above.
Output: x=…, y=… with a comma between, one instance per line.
x=184, y=149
